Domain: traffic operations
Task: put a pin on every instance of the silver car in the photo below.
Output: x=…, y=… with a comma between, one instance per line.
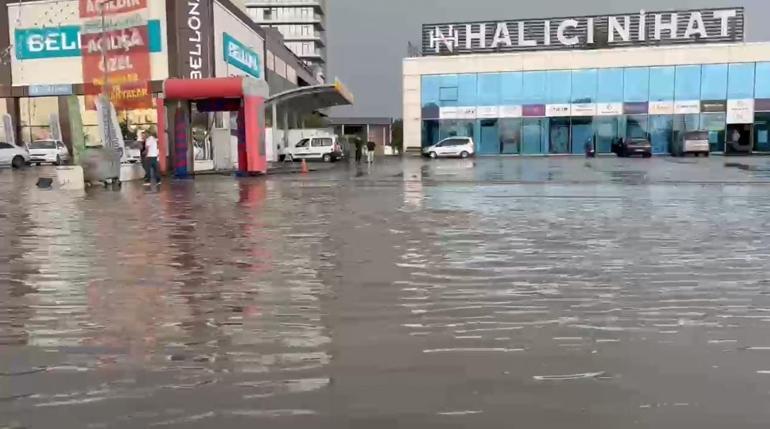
x=461, y=147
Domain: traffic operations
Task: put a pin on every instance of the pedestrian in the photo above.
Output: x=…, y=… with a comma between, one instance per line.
x=151, y=147
x=140, y=137
x=370, y=147
x=359, y=148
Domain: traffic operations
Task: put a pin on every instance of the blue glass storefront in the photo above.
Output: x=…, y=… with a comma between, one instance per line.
x=558, y=111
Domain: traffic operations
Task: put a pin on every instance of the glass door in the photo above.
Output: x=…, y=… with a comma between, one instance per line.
x=661, y=133
x=761, y=131
x=533, y=133
x=606, y=133
x=582, y=134
x=489, y=143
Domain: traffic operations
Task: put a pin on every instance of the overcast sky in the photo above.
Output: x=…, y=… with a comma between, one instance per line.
x=368, y=38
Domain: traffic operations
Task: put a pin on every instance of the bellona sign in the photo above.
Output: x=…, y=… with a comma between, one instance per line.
x=588, y=32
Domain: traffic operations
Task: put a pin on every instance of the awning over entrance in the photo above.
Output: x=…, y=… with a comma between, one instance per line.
x=309, y=99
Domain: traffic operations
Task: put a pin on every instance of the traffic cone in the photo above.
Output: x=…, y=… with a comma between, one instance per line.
x=304, y=169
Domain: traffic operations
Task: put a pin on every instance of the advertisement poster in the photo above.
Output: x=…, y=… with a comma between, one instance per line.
x=740, y=111
x=119, y=52
x=487, y=112
x=690, y=107
x=661, y=107
x=512, y=111
x=609, y=109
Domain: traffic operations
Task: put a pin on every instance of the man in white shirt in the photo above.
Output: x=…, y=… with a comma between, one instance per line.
x=151, y=148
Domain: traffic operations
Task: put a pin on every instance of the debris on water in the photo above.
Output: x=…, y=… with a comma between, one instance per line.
x=568, y=377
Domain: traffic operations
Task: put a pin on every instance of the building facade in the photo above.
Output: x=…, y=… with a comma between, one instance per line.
x=302, y=24
x=542, y=87
x=43, y=49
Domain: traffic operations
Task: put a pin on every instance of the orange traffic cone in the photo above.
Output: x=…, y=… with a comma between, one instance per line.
x=304, y=169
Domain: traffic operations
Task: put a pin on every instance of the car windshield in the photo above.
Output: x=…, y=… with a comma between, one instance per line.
x=43, y=144
x=697, y=135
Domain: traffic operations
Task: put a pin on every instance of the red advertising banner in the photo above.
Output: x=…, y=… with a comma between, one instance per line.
x=93, y=8
x=125, y=60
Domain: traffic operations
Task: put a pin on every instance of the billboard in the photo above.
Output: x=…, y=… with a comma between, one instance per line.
x=115, y=51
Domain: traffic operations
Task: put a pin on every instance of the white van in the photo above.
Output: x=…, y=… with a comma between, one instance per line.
x=325, y=148
x=461, y=147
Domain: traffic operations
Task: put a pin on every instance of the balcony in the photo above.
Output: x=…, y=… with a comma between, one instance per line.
x=320, y=5
x=316, y=19
x=316, y=36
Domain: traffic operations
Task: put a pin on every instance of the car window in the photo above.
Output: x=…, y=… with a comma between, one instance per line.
x=5, y=146
x=43, y=144
x=302, y=143
x=321, y=142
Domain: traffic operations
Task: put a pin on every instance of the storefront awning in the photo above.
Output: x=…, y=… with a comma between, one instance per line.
x=309, y=99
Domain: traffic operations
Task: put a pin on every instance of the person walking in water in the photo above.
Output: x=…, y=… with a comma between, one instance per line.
x=151, y=147
x=359, y=148
x=370, y=147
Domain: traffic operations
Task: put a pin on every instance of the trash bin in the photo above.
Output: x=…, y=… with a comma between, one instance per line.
x=101, y=164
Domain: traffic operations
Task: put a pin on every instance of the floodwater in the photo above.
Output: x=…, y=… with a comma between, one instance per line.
x=489, y=293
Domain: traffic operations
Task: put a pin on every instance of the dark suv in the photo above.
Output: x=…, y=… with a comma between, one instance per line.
x=632, y=146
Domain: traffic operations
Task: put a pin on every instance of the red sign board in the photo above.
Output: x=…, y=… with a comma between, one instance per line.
x=93, y=8
x=125, y=60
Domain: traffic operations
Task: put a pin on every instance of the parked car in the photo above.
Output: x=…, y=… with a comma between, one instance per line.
x=15, y=156
x=461, y=147
x=691, y=142
x=325, y=148
x=633, y=146
x=48, y=151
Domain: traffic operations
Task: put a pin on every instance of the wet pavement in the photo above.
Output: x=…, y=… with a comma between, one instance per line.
x=487, y=293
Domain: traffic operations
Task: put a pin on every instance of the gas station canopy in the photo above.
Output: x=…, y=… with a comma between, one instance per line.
x=309, y=99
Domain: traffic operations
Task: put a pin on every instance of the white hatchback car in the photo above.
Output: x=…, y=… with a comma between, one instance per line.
x=49, y=152
x=15, y=156
x=461, y=147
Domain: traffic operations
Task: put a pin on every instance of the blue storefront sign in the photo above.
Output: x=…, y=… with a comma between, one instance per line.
x=241, y=56
x=50, y=90
x=64, y=41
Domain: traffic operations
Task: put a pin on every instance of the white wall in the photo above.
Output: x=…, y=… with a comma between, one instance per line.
x=225, y=21
x=414, y=68
x=49, y=13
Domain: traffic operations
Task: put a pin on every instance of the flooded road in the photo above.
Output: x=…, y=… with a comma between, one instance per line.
x=488, y=293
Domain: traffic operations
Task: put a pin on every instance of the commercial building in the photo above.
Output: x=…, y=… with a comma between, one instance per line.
x=546, y=86
x=302, y=23
x=47, y=49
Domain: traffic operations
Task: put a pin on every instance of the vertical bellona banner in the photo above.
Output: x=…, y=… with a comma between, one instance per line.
x=121, y=25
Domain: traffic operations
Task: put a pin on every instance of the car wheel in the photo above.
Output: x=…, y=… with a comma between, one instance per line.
x=17, y=162
x=433, y=155
x=38, y=164
x=464, y=154
x=327, y=157
x=648, y=155
x=58, y=161
x=706, y=154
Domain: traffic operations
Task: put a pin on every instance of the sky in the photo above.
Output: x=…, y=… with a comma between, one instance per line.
x=367, y=39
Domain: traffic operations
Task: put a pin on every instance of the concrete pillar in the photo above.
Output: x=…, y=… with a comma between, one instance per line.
x=285, y=127
x=275, y=141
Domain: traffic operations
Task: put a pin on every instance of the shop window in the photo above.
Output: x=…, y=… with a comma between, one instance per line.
x=714, y=123
x=559, y=87
x=762, y=132
x=430, y=133
x=740, y=81
x=584, y=83
x=610, y=86
x=457, y=128
x=533, y=88
x=688, y=85
x=510, y=88
x=466, y=90
x=714, y=82
x=559, y=137
x=762, y=85
x=636, y=84
x=661, y=84
x=35, y=116
x=534, y=135
x=430, y=89
x=488, y=92
x=489, y=137
x=636, y=126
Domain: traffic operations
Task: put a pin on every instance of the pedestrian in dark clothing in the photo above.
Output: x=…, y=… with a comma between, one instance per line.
x=370, y=147
x=359, y=149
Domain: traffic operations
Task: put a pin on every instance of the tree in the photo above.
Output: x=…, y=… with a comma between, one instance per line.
x=397, y=136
